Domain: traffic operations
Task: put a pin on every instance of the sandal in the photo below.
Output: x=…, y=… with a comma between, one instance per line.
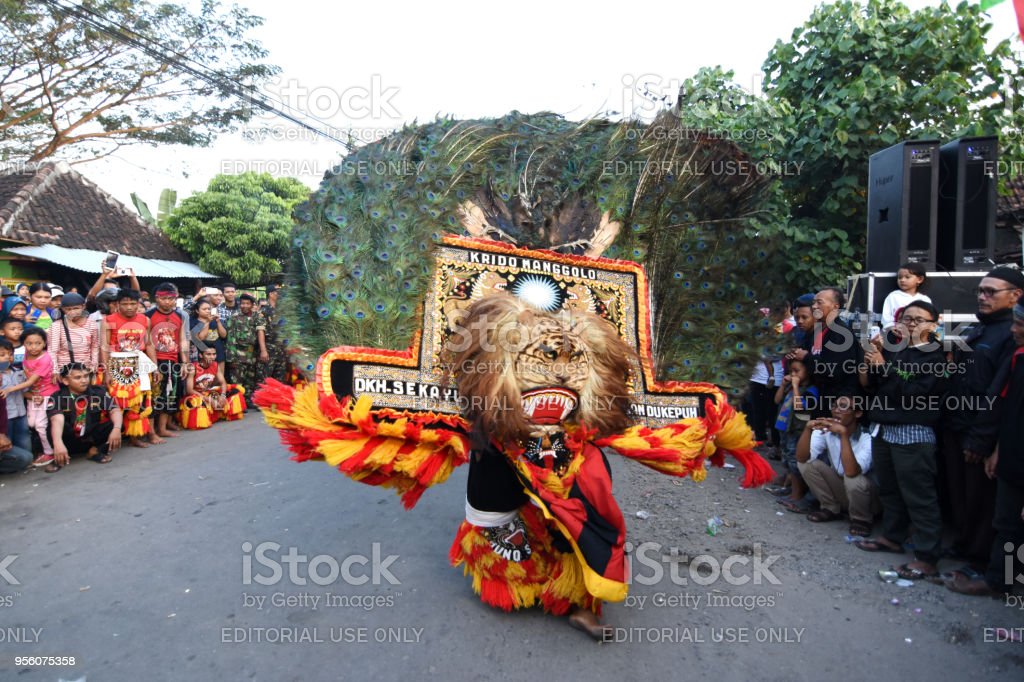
x=823, y=516
x=975, y=587
x=101, y=458
x=52, y=468
x=801, y=507
x=877, y=546
x=778, y=490
x=907, y=573
x=861, y=530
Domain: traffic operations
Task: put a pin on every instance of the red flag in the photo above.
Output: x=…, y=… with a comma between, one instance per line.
x=1018, y=6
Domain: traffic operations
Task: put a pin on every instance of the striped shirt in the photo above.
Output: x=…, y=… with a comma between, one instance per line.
x=85, y=342
x=907, y=434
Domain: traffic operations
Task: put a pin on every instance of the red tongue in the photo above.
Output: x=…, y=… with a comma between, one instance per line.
x=547, y=411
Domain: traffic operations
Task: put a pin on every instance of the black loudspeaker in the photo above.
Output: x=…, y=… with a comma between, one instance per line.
x=903, y=185
x=967, y=203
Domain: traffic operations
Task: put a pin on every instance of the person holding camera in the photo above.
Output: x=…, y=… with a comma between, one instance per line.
x=906, y=373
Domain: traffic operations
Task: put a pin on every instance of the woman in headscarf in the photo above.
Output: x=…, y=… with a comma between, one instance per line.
x=15, y=307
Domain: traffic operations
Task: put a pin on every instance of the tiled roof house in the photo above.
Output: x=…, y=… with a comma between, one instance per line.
x=53, y=213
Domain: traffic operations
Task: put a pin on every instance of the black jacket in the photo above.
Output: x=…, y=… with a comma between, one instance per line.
x=835, y=368
x=1010, y=411
x=908, y=387
x=976, y=379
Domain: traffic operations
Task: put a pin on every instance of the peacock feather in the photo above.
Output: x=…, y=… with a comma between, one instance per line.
x=657, y=194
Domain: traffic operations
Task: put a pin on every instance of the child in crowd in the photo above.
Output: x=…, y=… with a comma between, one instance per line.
x=39, y=312
x=16, y=308
x=795, y=397
x=126, y=331
x=169, y=338
x=209, y=397
x=39, y=387
x=11, y=329
x=14, y=399
x=909, y=278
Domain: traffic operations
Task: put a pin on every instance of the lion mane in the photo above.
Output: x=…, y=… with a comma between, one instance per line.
x=502, y=343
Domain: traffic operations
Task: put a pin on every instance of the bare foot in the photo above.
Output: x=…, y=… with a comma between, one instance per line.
x=92, y=452
x=171, y=426
x=155, y=439
x=139, y=443
x=165, y=434
x=586, y=621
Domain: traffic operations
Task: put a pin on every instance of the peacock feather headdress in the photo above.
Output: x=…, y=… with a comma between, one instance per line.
x=683, y=203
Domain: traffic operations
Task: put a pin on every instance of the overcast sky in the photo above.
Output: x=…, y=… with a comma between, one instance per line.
x=376, y=66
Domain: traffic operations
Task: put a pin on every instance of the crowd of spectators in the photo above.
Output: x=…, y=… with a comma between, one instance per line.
x=913, y=435
x=79, y=373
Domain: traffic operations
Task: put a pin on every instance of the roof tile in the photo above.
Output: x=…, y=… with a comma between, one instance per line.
x=49, y=203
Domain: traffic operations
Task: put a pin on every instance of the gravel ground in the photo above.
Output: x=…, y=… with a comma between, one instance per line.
x=823, y=580
x=136, y=568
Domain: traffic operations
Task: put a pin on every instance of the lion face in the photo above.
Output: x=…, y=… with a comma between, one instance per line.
x=518, y=368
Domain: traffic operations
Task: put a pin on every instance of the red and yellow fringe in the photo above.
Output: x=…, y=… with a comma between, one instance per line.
x=681, y=448
x=406, y=451
x=549, y=578
x=194, y=414
x=136, y=406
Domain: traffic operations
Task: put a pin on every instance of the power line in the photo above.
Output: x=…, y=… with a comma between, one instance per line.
x=184, y=63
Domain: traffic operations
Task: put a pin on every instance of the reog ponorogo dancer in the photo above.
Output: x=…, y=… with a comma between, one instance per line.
x=530, y=354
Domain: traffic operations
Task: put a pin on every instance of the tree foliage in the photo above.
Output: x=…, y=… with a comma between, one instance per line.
x=239, y=227
x=67, y=87
x=168, y=198
x=857, y=78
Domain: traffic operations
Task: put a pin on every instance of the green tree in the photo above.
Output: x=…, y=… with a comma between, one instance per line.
x=66, y=86
x=168, y=198
x=803, y=256
x=239, y=227
x=857, y=78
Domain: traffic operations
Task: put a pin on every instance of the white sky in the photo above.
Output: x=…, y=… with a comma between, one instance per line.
x=468, y=59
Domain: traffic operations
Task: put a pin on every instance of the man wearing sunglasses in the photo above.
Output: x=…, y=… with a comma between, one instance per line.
x=969, y=437
x=905, y=372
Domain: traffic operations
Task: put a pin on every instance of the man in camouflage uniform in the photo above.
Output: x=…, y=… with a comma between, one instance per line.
x=246, y=345
x=277, y=367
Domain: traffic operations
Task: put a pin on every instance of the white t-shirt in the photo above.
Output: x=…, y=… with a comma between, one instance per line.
x=860, y=443
x=760, y=374
x=896, y=301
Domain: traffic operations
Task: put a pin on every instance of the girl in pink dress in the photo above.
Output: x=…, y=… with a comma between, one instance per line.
x=39, y=386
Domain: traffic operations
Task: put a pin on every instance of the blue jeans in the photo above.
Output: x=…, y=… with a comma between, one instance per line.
x=788, y=452
x=14, y=460
x=17, y=431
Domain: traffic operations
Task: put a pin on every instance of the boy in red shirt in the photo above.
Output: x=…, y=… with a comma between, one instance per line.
x=170, y=342
x=126, y=331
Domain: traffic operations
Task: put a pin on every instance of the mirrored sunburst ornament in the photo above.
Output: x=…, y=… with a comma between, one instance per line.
x=540, y=292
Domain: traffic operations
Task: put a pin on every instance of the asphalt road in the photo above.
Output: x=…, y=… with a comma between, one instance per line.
x=138, y=569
